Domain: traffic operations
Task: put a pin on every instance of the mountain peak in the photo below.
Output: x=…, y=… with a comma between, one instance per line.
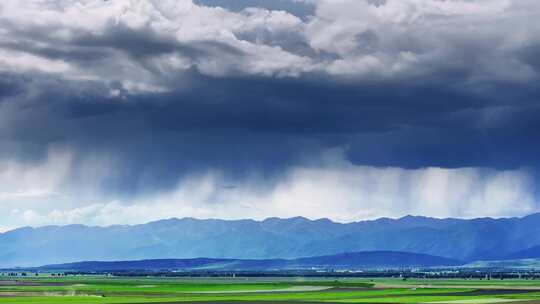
x=289, y=219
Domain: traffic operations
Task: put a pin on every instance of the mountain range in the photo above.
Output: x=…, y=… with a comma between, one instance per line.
x=348, y=261
x=273, y=238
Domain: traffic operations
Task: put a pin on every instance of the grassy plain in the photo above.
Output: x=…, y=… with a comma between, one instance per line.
x=102, y=290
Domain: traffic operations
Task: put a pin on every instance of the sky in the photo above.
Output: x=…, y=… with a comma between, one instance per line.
x=129, y=111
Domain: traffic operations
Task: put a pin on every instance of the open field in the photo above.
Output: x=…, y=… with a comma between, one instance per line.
x=97, y=289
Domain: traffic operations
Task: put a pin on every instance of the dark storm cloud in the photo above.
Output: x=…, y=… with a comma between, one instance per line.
x=242, y=125
x=9, y=86
x=256, y=91
x=529, y=55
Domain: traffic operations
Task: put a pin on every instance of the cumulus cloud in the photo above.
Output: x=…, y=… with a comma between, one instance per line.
x=147, y=45
x=143, y=44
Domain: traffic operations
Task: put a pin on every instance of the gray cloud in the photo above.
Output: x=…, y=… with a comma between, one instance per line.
x=138, y=97
x=360, y=39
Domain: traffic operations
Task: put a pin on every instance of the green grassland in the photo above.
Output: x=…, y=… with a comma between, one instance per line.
x=102, y=290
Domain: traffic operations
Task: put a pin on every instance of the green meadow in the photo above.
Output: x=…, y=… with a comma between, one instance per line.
x=96, y=289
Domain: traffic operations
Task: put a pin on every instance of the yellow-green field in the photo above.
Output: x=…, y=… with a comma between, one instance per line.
x=97, y=289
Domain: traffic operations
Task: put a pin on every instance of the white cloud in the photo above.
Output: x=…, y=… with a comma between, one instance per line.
x=372, y=39
x=388, y=39
x=11, y=61
x=177, y=25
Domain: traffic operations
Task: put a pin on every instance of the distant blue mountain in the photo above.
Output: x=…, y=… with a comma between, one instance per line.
x=350, y=261
x=273, y=238
x=529, y=253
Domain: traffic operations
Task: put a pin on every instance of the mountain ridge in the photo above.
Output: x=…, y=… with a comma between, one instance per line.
x=405, y=217
x=349, y=261
x=461, y=239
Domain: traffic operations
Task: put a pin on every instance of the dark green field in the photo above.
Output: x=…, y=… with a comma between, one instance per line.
x=166, y=290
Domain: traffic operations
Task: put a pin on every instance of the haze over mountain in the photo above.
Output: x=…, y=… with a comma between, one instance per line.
x=466, y=240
